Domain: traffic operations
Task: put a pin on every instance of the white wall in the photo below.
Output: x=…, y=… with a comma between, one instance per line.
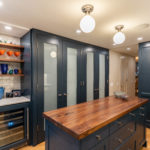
x=121, y=73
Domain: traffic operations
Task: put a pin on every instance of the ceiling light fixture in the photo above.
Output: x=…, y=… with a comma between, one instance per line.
x=140, y=38
x=87, y=23
x=8, y=28
x=119, y=37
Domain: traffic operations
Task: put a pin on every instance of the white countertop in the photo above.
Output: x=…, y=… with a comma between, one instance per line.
x=14, y=100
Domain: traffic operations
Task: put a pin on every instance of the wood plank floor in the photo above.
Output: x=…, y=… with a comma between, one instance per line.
x=42, y=145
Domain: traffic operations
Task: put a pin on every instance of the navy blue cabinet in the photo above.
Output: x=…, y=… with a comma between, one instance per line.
x=144, y=76
x=57, y=67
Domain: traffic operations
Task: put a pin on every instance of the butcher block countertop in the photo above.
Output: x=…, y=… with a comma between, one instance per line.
x=83, y=119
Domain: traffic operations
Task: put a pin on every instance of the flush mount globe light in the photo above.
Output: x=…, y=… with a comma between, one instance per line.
x=119, y=37
x=87, y=23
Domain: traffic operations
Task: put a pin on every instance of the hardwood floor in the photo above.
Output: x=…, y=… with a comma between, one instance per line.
x=42, y=145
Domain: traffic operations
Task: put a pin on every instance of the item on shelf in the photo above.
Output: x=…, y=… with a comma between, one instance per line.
x=9, y=94
x=20, y=71
x=16, y=93
x=15, y=71
x=17, y=54
x=10, y=53
x=2, y=51
x=1, y=92
x=4, y=68
x=11, y=71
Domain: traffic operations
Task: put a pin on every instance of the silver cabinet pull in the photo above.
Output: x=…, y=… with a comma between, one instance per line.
x=142, y=115
x=59, y=94
x=98, y=137
x=131, y=130
x=119, y=140
x=119, y=123
x=96, y=90
x=132, y=114
x=65, y=94
x=142, y=108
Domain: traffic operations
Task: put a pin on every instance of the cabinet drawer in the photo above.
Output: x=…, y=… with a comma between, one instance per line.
x=95, y=138
x=121, y=135
x=122, y=121
x=100, y=146
x=129, y=144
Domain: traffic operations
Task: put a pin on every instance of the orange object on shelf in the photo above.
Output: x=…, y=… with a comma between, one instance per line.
x=2, y=52
x=17, y=54
x=10, y=53
x=20, y=71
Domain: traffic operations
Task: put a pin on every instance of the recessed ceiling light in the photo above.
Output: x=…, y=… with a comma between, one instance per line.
x=140, y=38
x=1, y=3
x=8, y=28
x=78, y=31
x=114, y=44
x=128, y=48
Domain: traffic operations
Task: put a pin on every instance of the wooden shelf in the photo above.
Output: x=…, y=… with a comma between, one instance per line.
x=11, y=45
x=11, y=60
x=11, y=75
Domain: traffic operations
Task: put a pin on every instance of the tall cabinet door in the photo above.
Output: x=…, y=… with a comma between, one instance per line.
x=89, y=73
x=72, y=80
x=49, y=78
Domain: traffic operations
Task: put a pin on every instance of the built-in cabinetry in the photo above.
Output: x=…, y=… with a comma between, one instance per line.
x=63, y=72
x=144, y=76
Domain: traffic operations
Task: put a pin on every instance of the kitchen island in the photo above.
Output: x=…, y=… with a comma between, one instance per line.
x=103, y=124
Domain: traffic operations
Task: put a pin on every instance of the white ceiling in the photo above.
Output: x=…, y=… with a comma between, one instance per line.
x=62, y=17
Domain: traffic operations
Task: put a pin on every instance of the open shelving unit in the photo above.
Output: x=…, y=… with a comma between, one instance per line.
x=11, y=60
x=12, y=46
x=11, y=75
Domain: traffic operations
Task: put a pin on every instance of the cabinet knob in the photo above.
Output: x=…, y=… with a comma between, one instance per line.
x=65, y=94
x=59, y=94
x=98, y=137
x=120, y=140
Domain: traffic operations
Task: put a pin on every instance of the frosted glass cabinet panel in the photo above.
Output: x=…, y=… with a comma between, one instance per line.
x=101, y=75
x=90, y=76
x=71, y=76
x=50, y=77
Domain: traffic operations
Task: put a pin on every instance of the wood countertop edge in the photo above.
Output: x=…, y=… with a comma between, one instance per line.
x=92, y=130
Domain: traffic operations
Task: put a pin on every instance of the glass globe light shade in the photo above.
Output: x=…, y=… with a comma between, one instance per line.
x=119, y=38
x=87, y=24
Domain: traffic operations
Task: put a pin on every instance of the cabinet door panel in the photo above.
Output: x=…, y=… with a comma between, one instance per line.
x=90, y=75
x=101, y=76
x=72, y=74
x=49, y=81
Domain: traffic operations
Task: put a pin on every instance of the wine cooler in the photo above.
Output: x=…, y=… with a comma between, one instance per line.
x=12, y=126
